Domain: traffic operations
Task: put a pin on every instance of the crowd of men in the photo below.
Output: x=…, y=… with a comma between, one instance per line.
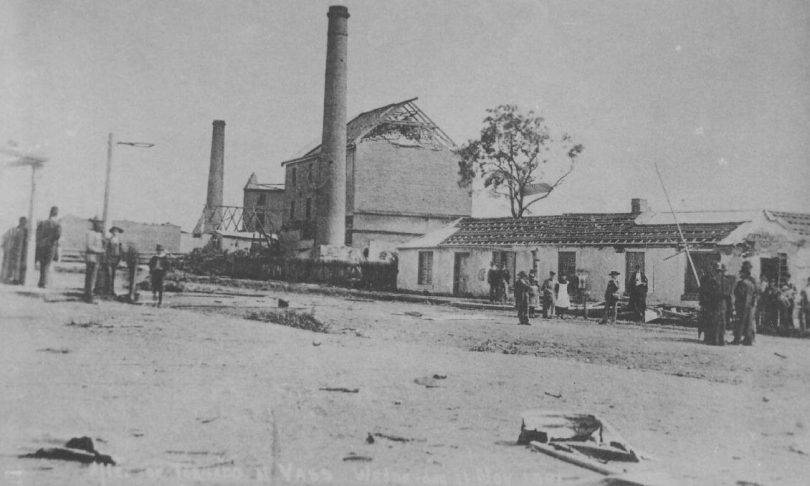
x=103, y=255
x=726, y=302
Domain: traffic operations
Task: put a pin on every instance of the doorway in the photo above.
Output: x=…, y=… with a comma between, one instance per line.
x=461, y=275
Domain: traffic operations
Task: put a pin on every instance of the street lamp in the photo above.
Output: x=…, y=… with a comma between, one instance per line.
x=36, y=162
x=111, y=143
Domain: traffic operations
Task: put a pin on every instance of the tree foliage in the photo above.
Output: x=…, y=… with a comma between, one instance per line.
x=516, y=155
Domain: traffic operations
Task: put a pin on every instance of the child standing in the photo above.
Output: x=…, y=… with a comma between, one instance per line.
x=158, y=267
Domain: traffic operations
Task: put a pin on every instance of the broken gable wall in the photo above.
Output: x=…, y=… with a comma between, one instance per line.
x=769, y=239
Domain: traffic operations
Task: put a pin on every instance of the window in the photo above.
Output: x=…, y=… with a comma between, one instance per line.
x=566, y=263
x=262, y=200
x=309, y=208
x=292, y=175
x=425, y=276
x=703, y=263
x=309, y=173
x=292, y=210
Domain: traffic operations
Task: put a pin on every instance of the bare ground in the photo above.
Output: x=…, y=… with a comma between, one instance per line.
x=192, y=393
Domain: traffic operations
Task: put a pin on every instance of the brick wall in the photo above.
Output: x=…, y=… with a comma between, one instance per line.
x=408, y=179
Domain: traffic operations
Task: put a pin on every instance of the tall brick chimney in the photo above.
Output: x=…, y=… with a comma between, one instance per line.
x=331, y=203
x=216, y=175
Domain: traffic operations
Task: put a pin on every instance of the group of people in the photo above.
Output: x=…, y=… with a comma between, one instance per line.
x=728, y=302
x=552, y=296
x=102, y=257
x=498, y=280
x=15, y=250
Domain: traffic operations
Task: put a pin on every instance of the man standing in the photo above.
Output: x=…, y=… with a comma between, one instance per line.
x=549, y=301
x=113, y=251
x=638, y=293
x=612, y=294
x=93, y=250
x=713, y=305
x=132, y=258
x=522, y=290
x=493, y=278
x=48, y=234
x=745, y=301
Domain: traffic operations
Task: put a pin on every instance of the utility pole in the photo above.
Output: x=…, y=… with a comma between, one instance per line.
x=111, y=143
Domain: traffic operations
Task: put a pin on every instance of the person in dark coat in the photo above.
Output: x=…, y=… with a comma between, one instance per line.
x=14, y=253
x=493, y=279
x=522, y=295
x=132, y=258
x=612, y=294
x=637, y=288
x=746, y=294
x=713, y=305
x=48, y=234
x=158, y=267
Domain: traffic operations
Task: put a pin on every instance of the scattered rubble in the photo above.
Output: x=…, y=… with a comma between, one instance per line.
x=290, y=318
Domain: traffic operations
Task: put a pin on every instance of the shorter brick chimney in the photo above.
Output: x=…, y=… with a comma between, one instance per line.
x=638, y=206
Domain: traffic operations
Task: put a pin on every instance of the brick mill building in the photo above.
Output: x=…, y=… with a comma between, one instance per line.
x=401, y=182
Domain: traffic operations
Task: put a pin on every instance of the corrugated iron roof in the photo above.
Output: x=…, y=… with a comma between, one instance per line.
x=598, y=229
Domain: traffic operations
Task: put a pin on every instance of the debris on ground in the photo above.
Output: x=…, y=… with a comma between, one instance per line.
x=781, y=355
x=354, y=457
x=429, y=381
x=53, y=350
x=491, y=345
x=85, y=325
x=559, y=395
x=290, y=318
x=339, y=389
x=283, y=304
x=578, y=438
x=439, y=377
x=77, y=449
x=369, y=439
x=394, y=438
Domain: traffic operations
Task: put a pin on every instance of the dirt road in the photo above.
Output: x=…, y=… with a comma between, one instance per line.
x=193, y=394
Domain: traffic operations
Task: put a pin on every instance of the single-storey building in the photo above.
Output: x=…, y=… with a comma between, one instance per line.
x=454, y=260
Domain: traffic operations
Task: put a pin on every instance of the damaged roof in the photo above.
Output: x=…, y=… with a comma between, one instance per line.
x=401, y=113
x=595, y=229
x=797, y=222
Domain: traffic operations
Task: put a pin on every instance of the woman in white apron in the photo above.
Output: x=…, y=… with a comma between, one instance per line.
x=563, y=301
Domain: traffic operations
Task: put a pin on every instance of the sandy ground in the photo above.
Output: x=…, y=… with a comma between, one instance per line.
x=192, y=393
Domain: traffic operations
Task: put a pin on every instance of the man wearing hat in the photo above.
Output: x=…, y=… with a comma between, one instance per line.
x=612, y=294
x=113, y=251
x=48, y=234
x=93, y=250
x=745, y=302
x=522, y=291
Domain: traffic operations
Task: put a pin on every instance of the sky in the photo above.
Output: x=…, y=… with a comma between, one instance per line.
x=715, y=93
